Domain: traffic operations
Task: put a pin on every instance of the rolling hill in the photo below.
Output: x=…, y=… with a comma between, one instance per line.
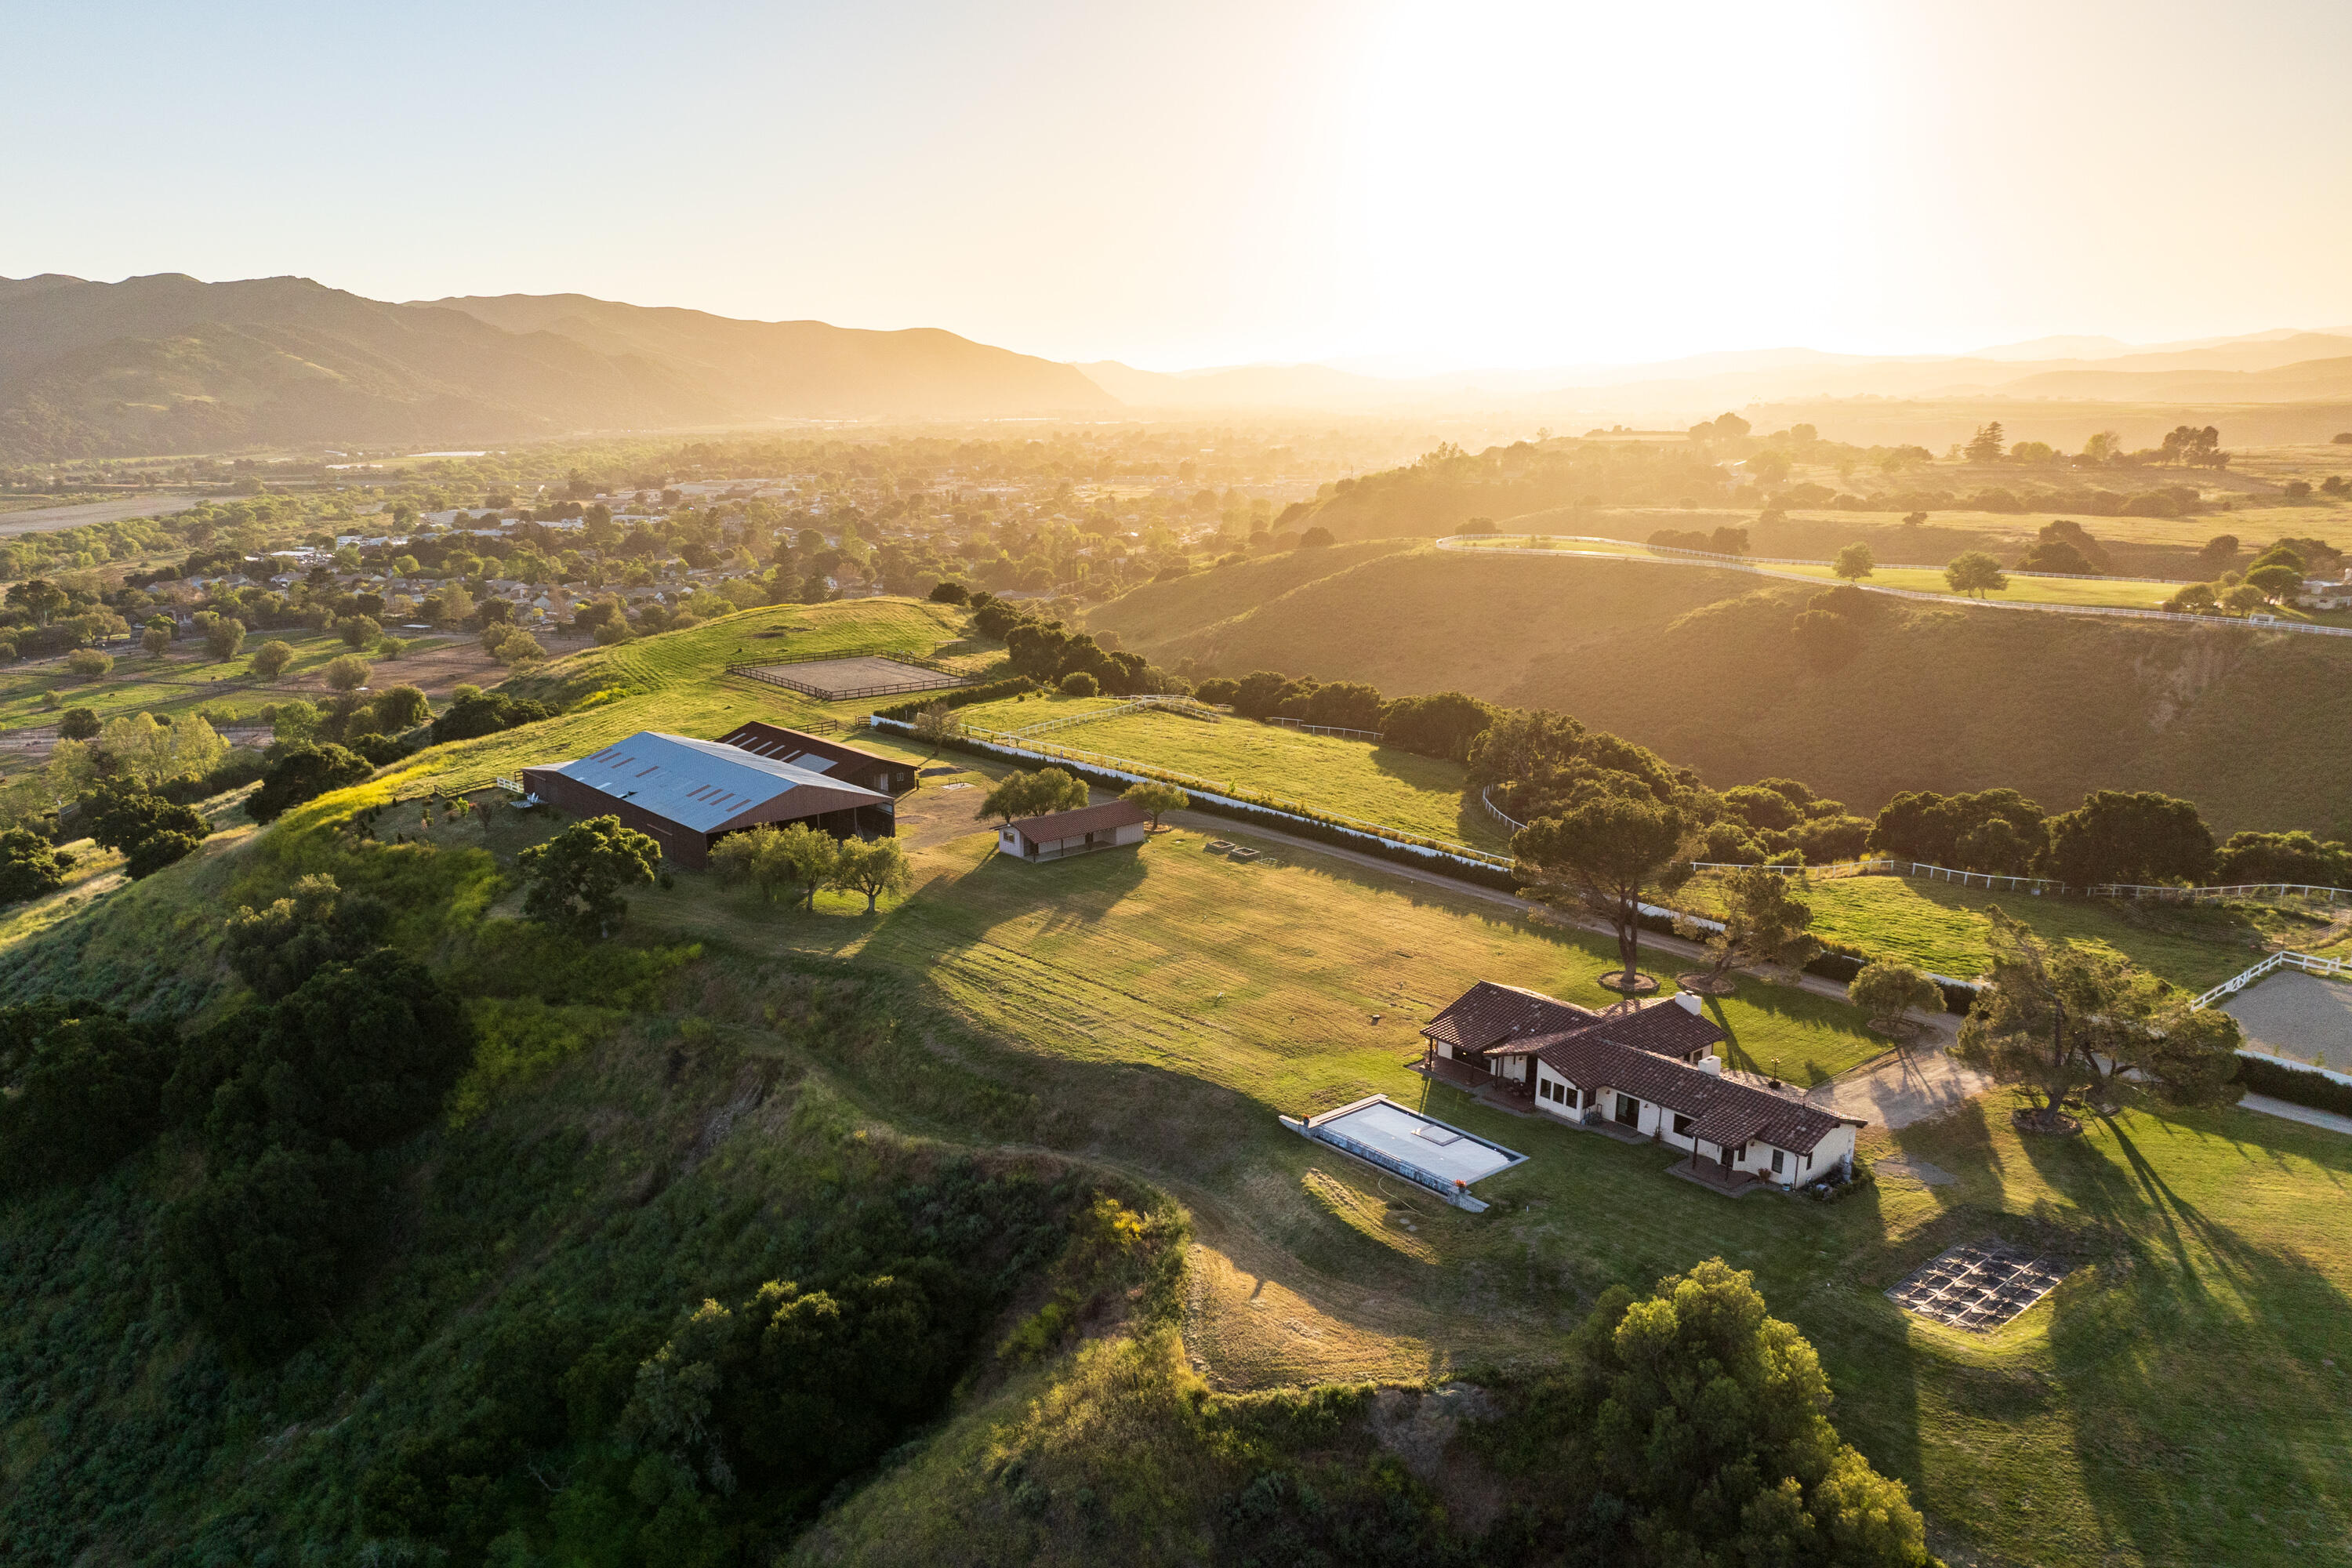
x=169, y=363
x=1700, y=664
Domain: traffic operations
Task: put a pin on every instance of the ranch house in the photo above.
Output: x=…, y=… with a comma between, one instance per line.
x=1647, y=1071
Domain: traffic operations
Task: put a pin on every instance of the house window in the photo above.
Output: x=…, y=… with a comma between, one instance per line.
x=1682, y=1126
x=1778, y=1162
x=1629, y=1111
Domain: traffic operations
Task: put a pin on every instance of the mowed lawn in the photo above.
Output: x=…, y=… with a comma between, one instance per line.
x=2171, y=1403
x=1423, y=796
x=1940, y=927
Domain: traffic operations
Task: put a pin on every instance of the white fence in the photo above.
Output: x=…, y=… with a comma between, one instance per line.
x=2033, y=885
x=2197, y=895
x=2275, y=962
x=1487, y=799
x=1373, y=735
x=1183, y=705
x=1468, y=544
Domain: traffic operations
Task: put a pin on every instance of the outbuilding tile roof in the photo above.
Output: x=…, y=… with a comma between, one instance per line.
x=1066, y=825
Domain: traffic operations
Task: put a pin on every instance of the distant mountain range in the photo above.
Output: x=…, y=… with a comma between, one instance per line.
x=168, y=363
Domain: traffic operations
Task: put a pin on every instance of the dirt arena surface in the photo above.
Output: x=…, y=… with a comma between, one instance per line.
x=863, y=675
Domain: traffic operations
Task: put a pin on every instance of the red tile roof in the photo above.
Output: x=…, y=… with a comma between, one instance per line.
x=1066, y=825
x=1722, y=1111
x=1507, y=1020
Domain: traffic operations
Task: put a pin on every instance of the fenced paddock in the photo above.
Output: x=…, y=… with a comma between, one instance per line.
x=856, y=677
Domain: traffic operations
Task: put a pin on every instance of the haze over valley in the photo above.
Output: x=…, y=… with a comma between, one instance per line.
x=1507, y=786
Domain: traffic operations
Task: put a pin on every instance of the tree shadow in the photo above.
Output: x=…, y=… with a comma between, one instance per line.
x=2207, y=1416
x=1959, y=1141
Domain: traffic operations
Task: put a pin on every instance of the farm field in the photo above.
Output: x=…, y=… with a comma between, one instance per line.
x=1701, y=666
x=2095, y=592
x=1160, y=1006
x=1939, y=926
x=185, y=679
x=1351, y=778
x=1169, y=1004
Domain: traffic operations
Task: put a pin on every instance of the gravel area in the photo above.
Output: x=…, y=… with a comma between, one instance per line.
x=2300, y=1015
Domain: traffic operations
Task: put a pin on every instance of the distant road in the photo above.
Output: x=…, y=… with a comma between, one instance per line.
x=41, y=518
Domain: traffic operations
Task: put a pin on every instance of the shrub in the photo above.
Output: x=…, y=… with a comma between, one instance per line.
x=303, y=774
x=398, y=708
x=476, y=713
x=87, y=1089
x=270, y=659
x=1078, y=683
x=29, y=866
x=348, y=673
x=78, y=724
x=157, y=850
x=358, y=631
x=2296, y=1084
x=950, y=593
x=89, y=663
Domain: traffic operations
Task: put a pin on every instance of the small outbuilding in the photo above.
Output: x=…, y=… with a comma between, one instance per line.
x=1066, y=833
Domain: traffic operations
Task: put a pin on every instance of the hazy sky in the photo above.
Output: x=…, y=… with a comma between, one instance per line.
x=1228, y=180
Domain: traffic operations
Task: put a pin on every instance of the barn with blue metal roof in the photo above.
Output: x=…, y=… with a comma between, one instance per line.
x=688, y=794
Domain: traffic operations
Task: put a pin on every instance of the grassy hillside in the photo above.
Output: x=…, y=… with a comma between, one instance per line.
x=1701, y=666
x=735, y=1090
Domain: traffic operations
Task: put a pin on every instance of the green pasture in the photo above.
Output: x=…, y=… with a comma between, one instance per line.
x=1940, y=926
x=1361, y=779
x=2171, y=1403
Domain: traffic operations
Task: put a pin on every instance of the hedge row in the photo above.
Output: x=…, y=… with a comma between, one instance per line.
x=962, y=697
x=1282, y=821
x=2296, y=1084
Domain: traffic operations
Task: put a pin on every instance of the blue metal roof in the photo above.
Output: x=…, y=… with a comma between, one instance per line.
x=701, y=785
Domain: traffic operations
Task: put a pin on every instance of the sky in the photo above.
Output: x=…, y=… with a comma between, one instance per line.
x=1384, y=183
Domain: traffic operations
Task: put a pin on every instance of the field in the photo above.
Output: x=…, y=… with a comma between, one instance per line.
x=1940, y=927
x=1171, y=1003
x=1149, y=1012
x=1700, y=666
x=1350, y=778
x=185, y=679
x=2093, y=591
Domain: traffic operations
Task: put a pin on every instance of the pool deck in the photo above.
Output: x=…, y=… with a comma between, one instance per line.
x=1403, y=1142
